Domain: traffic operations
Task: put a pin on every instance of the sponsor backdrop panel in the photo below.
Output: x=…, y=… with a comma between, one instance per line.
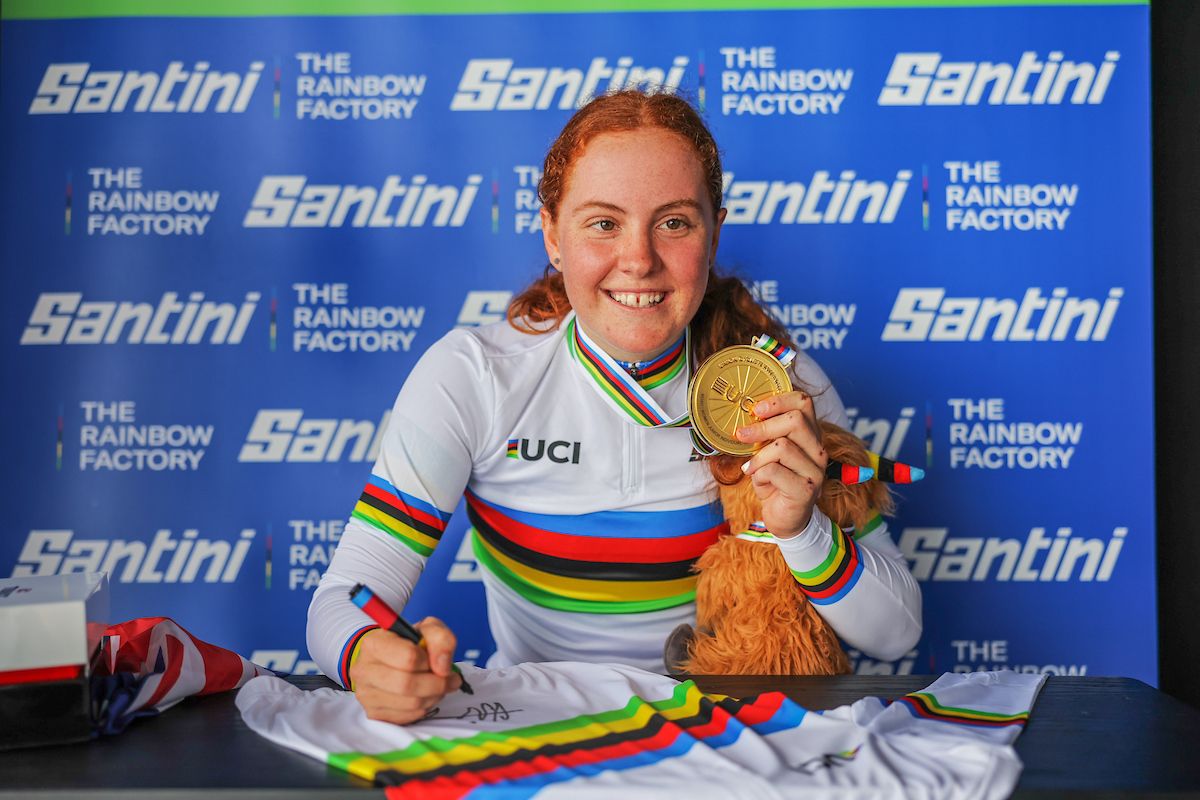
x=228, y=240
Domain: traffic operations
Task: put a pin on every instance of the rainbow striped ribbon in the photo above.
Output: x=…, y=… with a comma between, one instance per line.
x=618, y=388
x=783, y=354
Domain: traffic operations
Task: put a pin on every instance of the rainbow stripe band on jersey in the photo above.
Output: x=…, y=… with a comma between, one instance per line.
x=926, y=706
x=616, y=386
x=350, y=654
x=608, y=562
x=412, y=521
x=519, y=762
x=836, y=575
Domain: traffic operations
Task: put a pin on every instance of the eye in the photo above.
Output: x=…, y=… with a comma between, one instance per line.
x=603, y=225
x=676, y=224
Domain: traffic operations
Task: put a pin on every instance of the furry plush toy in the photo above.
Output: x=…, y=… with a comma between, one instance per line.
x=751, y=617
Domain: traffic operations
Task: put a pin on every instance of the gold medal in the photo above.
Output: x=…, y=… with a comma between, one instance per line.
x=724, y=390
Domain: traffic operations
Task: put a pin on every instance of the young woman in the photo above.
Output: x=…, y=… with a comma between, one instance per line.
x=587, y=500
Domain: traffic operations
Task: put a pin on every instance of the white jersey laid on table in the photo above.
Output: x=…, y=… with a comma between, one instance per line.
x=603, y=731
x=588, y=506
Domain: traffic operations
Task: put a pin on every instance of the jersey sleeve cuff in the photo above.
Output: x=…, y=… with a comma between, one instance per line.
x=823, y=559
x=350, y=654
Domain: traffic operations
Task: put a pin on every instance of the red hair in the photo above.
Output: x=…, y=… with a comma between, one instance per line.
x=728, y=314
x=628, y=110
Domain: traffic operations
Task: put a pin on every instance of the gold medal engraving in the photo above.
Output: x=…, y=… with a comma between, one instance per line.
x=724, y=390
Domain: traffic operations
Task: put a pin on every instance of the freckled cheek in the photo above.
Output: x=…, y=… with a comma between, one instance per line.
x=582, y=282
x=595, y=251
x=691, y=269
x=586, y=265
x=687, y=255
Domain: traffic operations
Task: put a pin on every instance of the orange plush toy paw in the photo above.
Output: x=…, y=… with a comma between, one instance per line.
x=751, y=617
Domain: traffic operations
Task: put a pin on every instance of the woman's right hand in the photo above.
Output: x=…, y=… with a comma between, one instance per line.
x=397, y=681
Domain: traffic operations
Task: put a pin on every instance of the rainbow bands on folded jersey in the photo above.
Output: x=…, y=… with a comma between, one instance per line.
x=519, y=762
x=926, y=706
x=385, y=617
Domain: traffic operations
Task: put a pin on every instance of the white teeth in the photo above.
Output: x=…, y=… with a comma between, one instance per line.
x=638, y=299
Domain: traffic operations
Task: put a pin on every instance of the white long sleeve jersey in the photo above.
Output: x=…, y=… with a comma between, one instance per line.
x=571, y=730
x=585, y=523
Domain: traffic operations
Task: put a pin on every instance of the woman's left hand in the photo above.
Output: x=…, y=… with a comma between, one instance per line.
x=789, y=469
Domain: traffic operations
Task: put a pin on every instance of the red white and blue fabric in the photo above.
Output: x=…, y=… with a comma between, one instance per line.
x=149, y=664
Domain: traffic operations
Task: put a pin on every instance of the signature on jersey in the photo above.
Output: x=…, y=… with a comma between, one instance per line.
x=484, y=712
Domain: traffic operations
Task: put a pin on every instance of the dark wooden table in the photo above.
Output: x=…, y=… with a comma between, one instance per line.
x=1087, y=737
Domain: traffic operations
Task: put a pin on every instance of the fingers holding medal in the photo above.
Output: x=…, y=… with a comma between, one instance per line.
x=788, y=470
x=791, y=417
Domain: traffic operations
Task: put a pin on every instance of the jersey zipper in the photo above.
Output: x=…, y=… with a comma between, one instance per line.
x=632, y=457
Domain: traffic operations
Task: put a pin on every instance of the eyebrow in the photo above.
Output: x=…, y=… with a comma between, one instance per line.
x=686, y=202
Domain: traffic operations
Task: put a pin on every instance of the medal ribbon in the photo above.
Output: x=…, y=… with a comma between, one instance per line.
x=617, y=387
x=783, y=354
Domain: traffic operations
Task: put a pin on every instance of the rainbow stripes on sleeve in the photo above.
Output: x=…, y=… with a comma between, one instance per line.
x=836, y=575
x=520, y=762
x=416, y=523
x=609, y=562
x=350, y=653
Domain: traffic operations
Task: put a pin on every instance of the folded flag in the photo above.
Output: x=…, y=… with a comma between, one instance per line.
x=149, y=664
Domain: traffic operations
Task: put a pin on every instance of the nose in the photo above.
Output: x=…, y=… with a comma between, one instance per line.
x=638, y=254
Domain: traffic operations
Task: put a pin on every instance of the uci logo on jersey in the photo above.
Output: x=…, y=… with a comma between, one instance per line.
x=559, y=452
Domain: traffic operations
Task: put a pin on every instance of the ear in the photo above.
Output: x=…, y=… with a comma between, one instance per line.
x=550, y=239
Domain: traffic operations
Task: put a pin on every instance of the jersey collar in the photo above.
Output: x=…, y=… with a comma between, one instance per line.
x=624, y=393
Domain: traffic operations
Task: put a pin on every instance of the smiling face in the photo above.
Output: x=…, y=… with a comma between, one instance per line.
x=634, y=237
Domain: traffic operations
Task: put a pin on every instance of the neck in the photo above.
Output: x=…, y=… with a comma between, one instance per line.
x=646, y=365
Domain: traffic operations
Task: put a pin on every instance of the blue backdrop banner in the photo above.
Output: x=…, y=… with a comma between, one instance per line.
x=227, y=240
